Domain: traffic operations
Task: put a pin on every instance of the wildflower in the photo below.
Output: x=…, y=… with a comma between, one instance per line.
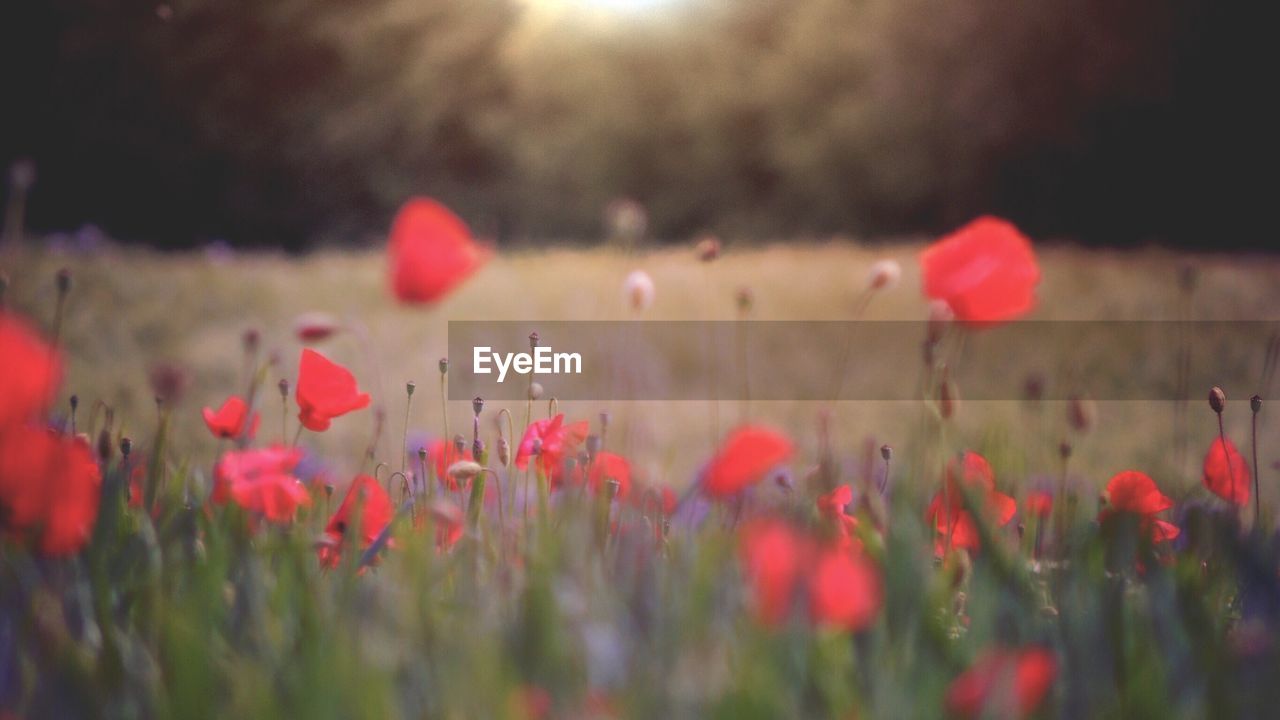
x=947, y=513
x=832, y=506
x=986, y=272
x=1136, y=493
x=609, y=466
x=746, y=455
x=261, y=481
x=557, y=441
x=229, y=420
x=1226, y=473
x=443, y=457
x=431, y=252
x=1040, y=503
x=49, y=489
x=376, y=512
x=771, y=552
x=449, y=522
x=1003, y=683
x=638, y=290
x=845, y=590
x=32, y=370
x=325, y=391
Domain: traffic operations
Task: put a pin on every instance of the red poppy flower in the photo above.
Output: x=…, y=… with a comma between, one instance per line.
x=229, y=420
x=669, y=500
x=31, y=371
x=1135, y=492
x=444, y=454
x=986, y=272
x=608, y=466
x=557, y=440
x=1040, y=503
x=1226, y=473
x=746, y=455
x=326, y=390
x=261, y=481
x=313, y=327
x=1003, y=683
x=530, y=702
x=772, y=554
x=431, y=252
x=832, y=506
x=845, y=590
x=376, y=512
x=947, y=513
x=49, y=489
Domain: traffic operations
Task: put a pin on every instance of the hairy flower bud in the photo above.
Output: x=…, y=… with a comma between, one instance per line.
x=1217, y=399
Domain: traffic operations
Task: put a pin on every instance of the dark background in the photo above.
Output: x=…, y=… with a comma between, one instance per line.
x=293, y=122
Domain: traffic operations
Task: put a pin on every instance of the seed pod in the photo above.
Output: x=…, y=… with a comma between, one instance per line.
x=444, y=365
x=126, y=447
x=1217, y=399
x=533, y=339
x=283, y=385
x=477, y=405
x=409, y=387
x=886, y=452
x=535, y=391
x=1255, y=403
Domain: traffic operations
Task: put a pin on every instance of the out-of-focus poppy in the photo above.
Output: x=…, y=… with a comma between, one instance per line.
x=1226, y=473
x=431, y=252
x=556, y=441
x=262, y=481
x=845, y=590
x=1136, y=493
x=986, y=272
x=947, y=513
x=326, y=390
x=376, y=512
x=772, y=555
x=609, y=466
x=449, y=522
x=49, y=489
x=1003, y=683
x=1040, y=503
x=228, y=421
x=32, y=370
x=313, y=327
x=832, y=506
x=746, y=455
x=443, y=455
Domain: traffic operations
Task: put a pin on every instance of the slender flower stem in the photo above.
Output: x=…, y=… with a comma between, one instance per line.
x=404, y=435
x=1256, y=403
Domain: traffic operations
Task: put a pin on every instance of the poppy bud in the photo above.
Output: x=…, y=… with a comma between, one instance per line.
x=250, y=339
x=409, y=387
x=639, y=290
x=126, y=447
x=284, y=388
x=504, y=452
x=477, y=448
x=75, y=402
x=1255, y=402
x=459, y=443
x=533, y=339
x=422, y=454
x=328, y=490
x=707, y=248
x=477, y=404
x=535, y=391
x=1033, y=387
x=63, y=279
x=593, y=446
x=1217, y=399
x=1081, y=413
x=886, y=452
x=744, y=299
x=1064, y=449
x=883, y=274
x=464, y=470
x=444, y=365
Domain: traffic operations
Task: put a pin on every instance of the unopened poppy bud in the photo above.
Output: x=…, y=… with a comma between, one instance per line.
x=126, y=447
x=1255, y=403
x=883, y=274
x=504, y=452
x=886, y=452
x=1081, y=413
x=477, y=405
x=533, y=339
x=283, y=385
x=593, y=446
x=464, y=470
x=535, y=391
x=639, y=290
x=744, y=299
x=409, y=387
x=63, y=279
x=104, y=445
x=250, y=339
x=477, y=448
x=1217, y=399
x=459, y=443
x=444, y=365
x=422, y=454
x=75, y=402
x=328, y=490
x=707, y=248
